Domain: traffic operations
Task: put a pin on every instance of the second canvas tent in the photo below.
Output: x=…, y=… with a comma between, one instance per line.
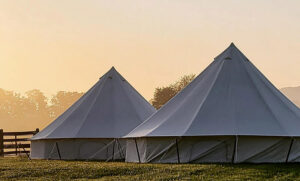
x=91, y=127
x=229, y=113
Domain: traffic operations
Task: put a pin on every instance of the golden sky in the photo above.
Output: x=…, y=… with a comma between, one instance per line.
x=56, y=45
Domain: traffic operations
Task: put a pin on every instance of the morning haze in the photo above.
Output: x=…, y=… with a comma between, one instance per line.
x=67, y=45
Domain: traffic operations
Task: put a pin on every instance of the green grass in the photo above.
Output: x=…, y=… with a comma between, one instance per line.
x=24, y=169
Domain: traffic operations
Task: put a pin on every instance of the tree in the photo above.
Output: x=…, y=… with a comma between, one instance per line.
x=62, y=101
x=10, y=105
x=163, y=94
x=37, y=109
x=32, y=110
x=38, y=100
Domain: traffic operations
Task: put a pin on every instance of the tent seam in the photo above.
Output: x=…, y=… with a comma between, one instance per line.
x=278, y=92
x=130, y=101
x=200, y=106
x=91, y=106
x=263, y=99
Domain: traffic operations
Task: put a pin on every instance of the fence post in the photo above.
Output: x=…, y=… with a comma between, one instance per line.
x=36, y=131
x=1, y=144
x=16, y=145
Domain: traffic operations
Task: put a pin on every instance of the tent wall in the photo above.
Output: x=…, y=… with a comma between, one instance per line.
x=294, y=155
x=214, y=149
x=78, y=149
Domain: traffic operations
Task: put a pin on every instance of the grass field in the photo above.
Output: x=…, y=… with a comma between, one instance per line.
x=24, y=169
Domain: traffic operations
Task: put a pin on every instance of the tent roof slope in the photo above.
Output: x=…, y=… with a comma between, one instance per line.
x=230, y=97
x=110, y=109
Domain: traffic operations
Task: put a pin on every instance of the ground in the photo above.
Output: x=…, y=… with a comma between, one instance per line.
x=20, y=168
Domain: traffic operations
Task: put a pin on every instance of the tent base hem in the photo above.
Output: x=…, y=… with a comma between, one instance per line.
x=214, y=149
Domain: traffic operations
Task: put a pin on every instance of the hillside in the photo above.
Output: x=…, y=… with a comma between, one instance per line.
x=293, y=93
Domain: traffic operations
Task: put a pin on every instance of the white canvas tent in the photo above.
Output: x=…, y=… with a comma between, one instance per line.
x=90, y=128
x=229, y=113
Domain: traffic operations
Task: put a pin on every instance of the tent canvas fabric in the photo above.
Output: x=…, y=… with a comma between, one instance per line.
x=105, y=149
x=108, y=111
x=229, y=113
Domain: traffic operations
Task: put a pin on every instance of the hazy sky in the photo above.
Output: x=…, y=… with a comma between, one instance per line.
x=68, y=44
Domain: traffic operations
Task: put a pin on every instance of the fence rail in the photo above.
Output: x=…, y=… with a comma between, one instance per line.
x=13, y=140
x=19, y=133
x=13, y=152
x=10, y=144
x=14, y=146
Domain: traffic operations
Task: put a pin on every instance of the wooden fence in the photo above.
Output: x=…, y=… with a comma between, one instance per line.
x=15, y=143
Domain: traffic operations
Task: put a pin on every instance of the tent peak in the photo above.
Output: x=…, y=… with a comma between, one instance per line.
x=231, y=53
x=232, y=44
x=112, y=68
x=113, y=72
x=110, y=72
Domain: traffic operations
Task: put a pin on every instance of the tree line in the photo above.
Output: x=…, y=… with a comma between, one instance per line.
x=34, y=110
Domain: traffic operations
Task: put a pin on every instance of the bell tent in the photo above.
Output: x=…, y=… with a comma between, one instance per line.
x=229, y=113
x=91, y=127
